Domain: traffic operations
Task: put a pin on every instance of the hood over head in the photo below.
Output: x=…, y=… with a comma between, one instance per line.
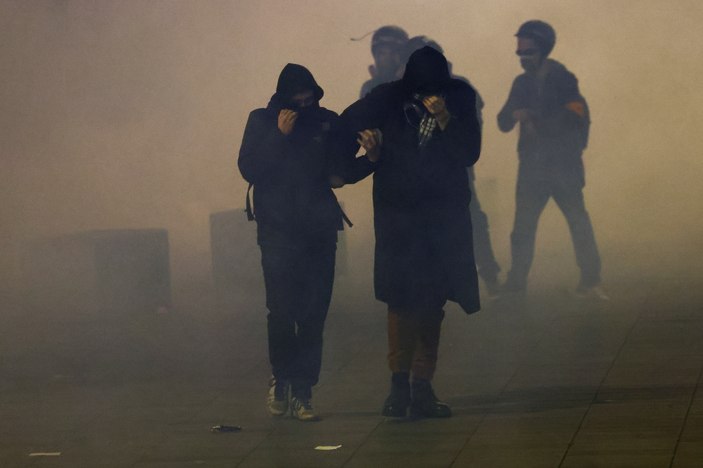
x=415, y=43
x=426, y=72
x=294, y=79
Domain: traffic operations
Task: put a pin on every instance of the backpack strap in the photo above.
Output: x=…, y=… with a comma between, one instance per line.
x=341, y=211
x=345, y=217
x=252, y=217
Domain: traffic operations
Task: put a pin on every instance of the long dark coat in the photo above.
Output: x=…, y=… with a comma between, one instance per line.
x=424, y=248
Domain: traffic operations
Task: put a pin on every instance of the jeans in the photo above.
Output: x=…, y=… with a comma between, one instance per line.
x=298, y=279
x=483, y=251
x=531, y=196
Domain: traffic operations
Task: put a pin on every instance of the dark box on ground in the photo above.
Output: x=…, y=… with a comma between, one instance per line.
x=99, y=271
x=236, y=258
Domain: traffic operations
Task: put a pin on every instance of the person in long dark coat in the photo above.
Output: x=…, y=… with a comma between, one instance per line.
x=284, y=154
x=420, y=134
x=486, y=263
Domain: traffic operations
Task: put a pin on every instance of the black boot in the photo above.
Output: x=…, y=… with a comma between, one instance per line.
x=396, y=405
x=425, y=403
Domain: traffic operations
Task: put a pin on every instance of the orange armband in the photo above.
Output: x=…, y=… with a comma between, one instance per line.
x=577, y=107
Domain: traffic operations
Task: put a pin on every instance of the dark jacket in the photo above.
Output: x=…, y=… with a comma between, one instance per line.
x=424, y=250
x=554, y=142
x=292, y=194
x=369, y=85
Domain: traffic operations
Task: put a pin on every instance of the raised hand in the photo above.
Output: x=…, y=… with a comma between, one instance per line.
x=286, y=121
x=371, y=140
x=437, y=106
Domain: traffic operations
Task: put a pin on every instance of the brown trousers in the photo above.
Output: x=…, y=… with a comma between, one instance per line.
x=413, y=342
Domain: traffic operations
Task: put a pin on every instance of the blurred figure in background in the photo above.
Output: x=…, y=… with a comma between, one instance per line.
x=284, y=155
x=486, y=263
x=554, y=123
x=386, y=45
x=420, y=134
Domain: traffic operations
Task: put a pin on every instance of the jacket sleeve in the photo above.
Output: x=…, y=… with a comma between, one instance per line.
x=461, y=138
x=571, y=112
x=506, y=121
x=264, y=148
x=344, y=147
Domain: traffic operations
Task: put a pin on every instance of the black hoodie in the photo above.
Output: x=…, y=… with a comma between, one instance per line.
x=295, y=79
x=427, y=72
x=292, y=193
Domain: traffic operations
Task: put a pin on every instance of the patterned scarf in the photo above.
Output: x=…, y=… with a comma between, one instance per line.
x=427, y=126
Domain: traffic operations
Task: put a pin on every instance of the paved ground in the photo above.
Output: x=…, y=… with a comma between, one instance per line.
x=550, y=381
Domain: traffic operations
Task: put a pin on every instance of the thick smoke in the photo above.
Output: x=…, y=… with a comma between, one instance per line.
x=129, y=114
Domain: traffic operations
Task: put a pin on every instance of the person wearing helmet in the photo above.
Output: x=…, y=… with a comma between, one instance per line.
x=554, y=121
x=486, y=263
x=420, y=134
x=386, y=45
x=284, y=155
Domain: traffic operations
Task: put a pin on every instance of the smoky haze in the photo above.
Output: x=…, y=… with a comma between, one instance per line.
x=129, y=114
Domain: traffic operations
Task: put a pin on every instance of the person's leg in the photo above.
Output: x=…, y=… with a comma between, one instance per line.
x=278, y=265
x=531, y=196
x=424, y=402
x=428, y=329
x=570, y=201
x=401, y=340
x=483, y=250
x=317, y=272
x=402, y=330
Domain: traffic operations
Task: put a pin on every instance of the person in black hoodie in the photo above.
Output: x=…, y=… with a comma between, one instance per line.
x=284, y=154
x=420, y=134
x=554, y=123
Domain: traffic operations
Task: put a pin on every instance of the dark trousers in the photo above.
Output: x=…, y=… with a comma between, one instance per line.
x=483, y=250
x=298, y=279
x=531, y=197
x=413, y=342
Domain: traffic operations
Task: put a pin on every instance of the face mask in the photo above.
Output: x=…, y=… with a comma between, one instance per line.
x=530, y=60
x=528, y=65
x=301, y=104
x=306, y=111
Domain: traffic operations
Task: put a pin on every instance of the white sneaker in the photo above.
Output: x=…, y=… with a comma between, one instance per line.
x=278, y=398
x=302, y=409
x=594, y=292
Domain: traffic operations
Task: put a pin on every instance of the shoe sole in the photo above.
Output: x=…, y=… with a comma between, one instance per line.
x=277, y=413
x=306, y=418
